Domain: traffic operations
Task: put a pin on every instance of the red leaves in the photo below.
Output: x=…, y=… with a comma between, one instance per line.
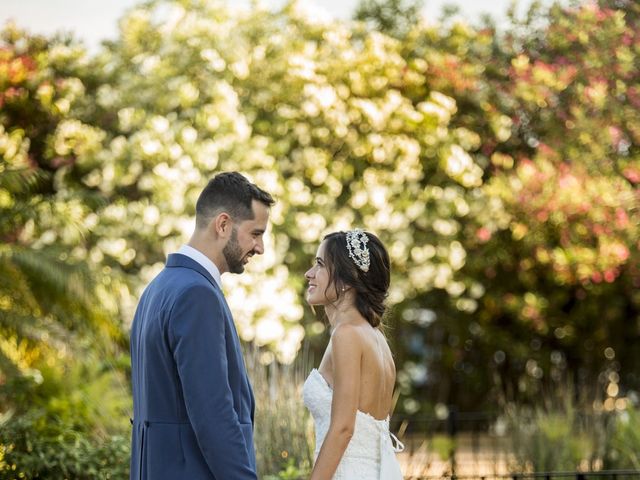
x=15, y=70
x=632, y=174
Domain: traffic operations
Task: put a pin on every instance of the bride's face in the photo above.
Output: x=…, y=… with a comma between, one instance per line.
x=320, y=290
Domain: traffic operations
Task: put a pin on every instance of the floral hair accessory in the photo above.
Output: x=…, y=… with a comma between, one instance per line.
x=357, y=245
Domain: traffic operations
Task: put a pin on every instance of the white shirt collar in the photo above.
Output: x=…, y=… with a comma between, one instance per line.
x=203, y=260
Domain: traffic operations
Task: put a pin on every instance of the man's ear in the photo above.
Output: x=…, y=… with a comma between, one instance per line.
x=222, y=224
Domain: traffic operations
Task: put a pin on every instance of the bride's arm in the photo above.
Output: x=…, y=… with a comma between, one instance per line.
x=346, y=353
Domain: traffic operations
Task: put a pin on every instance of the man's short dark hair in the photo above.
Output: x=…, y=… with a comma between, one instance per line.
x=232, y=193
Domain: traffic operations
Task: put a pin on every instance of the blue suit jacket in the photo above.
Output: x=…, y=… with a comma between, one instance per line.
x=192, y=400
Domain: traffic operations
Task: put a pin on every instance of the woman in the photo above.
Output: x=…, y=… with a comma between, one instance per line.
x=350, y=394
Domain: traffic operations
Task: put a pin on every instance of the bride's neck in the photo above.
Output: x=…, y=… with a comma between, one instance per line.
x=338, y=313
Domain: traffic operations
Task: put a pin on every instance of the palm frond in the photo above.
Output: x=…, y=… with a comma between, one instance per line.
x=14, y=286
x=62, y=290
x=8, y=368
x=46, y=271
x=21, y=180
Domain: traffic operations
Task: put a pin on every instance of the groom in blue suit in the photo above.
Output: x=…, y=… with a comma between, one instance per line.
x=193, y=403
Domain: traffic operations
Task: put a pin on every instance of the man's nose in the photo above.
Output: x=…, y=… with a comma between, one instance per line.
x=259, y=247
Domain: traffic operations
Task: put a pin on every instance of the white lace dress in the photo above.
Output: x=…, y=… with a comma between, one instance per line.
x=370, y=454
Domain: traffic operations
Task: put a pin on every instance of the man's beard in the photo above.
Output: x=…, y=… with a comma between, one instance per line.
x=233, y=254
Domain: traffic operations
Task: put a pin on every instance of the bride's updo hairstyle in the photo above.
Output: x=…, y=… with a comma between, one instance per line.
x=366, y=270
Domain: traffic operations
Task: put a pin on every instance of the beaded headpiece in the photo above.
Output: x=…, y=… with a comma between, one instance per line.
x=357, y=245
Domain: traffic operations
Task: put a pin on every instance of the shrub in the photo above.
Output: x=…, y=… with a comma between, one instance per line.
x=553, y=439
x=623, y=441
x=34, y=446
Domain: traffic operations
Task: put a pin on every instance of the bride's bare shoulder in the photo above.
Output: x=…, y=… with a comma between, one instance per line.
x=346, y=334
x=344, y=329
x=354, y=327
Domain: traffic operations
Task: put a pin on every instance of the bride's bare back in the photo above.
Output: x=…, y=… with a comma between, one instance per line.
x=350, y=401
x=377, y=369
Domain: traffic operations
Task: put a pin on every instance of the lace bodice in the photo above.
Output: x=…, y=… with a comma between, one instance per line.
x=370, y=454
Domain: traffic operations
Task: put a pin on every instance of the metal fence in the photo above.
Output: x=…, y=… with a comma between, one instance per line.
x=459, y=444
x=471, y=446
x=599, y=475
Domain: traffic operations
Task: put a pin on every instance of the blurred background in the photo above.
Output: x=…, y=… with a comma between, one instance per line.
x=495, y=152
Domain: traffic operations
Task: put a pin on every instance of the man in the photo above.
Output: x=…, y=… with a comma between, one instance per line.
x=193, y=403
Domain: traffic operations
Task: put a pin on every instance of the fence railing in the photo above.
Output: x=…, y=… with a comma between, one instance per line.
x=599, y=475
x=475, y=446
x=456, y=444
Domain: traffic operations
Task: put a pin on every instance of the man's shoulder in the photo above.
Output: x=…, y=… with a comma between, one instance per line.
x=185, y=279
x=179, y=281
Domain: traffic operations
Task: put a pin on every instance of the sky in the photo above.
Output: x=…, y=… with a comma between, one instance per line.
x=94, y=20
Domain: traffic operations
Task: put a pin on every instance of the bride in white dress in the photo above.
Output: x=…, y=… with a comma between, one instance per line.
x=350, y=394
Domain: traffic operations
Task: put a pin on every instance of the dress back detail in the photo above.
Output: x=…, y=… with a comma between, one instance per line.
x=370, y=454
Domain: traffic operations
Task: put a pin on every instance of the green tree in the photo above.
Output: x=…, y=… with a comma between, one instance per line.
x=553, y=102
x=392, y=17
x=57, y=334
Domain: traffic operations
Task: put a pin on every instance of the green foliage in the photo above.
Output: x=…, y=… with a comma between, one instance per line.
x=566, y=437
x=443, y=446
x=88, y=393
x=291, y=472
x=61, y=396
x=392, y=17
x=48, y=289
x=551, y=250
x=548, y=441
x=623, y=442
x=38, y=446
